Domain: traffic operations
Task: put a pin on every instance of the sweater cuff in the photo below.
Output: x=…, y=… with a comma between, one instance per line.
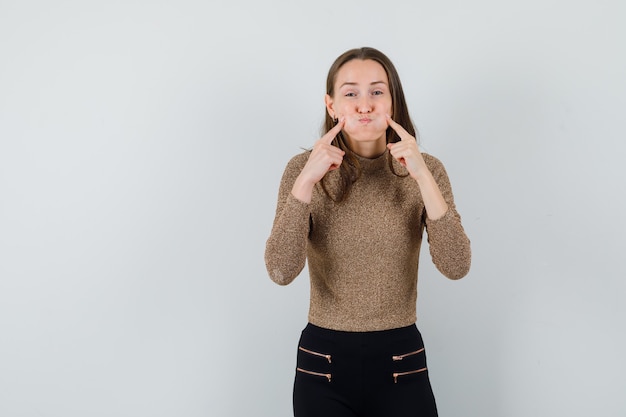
x=443, y=219
x=292, y=201
x=297, y=208
x=442, y=224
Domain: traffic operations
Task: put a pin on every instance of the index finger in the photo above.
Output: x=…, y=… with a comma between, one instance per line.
x=404, y=135
x=330, y=135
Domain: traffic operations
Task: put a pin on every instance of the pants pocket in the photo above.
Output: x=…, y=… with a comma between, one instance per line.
x=315, y=363
x=410, y=363
x=329, y=377
x=314, y=353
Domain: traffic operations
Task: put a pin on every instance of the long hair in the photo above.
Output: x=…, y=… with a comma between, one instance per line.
x=350, y=170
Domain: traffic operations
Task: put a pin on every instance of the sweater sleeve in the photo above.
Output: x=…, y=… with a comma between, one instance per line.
x=285, y=249
x=449, y=245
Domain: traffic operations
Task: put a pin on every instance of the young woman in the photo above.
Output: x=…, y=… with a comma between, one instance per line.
x=356, y=206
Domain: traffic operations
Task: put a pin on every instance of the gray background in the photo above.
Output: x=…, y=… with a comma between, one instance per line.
x=141, y=146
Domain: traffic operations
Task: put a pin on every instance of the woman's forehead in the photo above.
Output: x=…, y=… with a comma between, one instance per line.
x=361, y=71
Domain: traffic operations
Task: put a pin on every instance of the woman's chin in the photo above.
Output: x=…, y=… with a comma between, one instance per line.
x=366, y=135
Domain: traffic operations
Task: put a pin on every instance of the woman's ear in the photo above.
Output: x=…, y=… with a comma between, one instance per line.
x=328, y=100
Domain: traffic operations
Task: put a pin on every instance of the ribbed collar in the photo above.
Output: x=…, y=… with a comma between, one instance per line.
x=369, y=165
x=374, y=165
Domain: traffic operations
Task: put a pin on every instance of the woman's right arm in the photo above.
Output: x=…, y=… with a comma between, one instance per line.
x=285, y=250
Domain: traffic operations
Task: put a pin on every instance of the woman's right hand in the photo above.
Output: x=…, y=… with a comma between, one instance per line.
x=324, y=158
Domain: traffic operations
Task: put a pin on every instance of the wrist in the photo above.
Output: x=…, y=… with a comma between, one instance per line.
x=303, y=189
x=422, y=176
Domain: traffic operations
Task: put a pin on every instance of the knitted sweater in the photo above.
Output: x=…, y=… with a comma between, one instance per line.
x=363, y=253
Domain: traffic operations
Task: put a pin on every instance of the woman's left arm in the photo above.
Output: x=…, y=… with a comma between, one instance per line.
x=449, y=245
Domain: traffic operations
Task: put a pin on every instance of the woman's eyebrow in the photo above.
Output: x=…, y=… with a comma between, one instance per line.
x=349, y=83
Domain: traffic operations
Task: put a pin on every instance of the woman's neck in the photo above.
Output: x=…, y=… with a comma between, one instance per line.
x=369, y=149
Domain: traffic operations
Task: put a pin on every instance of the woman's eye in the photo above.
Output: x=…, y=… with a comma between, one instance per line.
x=377, y=93
x=350, y=94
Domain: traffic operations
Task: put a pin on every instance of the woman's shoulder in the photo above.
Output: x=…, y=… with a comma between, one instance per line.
x=433, y=163
x=430, y=159
x=295, y=164
x=301, y=157
x=298, y=161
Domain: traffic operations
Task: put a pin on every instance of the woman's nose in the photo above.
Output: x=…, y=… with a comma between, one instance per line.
x=364, y=106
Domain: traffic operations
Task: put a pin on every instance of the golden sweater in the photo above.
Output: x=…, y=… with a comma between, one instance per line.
x=363, y=253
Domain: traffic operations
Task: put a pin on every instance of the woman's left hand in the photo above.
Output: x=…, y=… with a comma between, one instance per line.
x=406, y=152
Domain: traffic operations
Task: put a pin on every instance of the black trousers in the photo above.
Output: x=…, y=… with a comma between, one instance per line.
x=362, y=374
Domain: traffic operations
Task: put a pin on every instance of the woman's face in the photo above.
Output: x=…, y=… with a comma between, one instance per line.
x=363, y=97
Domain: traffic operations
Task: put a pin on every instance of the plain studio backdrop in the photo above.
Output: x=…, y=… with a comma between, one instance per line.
x=142, y=144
